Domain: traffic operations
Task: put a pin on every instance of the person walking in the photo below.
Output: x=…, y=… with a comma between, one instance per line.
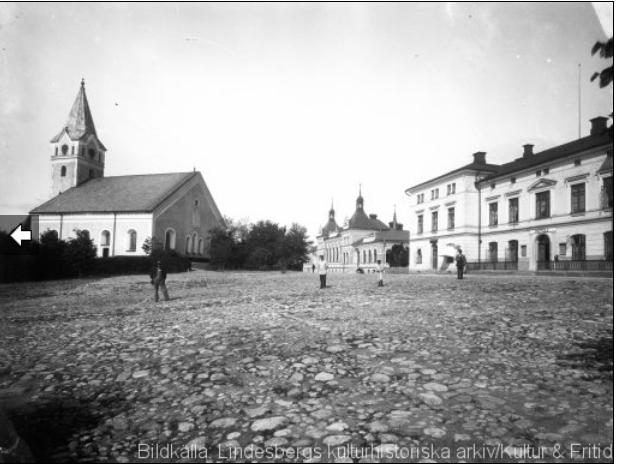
x=380, y=268
x=460, y=264
x=158, y=279
x=322, y=271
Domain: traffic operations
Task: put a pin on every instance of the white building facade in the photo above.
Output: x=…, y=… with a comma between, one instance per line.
x=542, y=211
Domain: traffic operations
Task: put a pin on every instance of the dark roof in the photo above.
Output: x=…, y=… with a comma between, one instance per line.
x=330, y=227
x=552, y=154
x=361, y=221
x=139, y=193
x=387, y=236
x=80, y=121
x=478, y=167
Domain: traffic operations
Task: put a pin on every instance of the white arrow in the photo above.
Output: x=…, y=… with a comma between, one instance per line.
x=18, y=235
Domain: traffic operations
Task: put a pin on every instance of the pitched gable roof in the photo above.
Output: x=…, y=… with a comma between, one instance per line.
x=139, y=193
x=551, y=154
x=481, y=168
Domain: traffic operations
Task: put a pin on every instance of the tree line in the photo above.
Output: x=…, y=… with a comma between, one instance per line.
x=259, y=246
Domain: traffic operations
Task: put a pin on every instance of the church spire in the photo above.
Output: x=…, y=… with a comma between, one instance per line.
x=332, y=211
x=395, y=219
x=80, y=121
x=359, y=203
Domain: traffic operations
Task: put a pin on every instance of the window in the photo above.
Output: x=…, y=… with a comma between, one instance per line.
x=91, y=153
x=418, y=256
x=607, y=193
x=375, y=256
x=196, y=220
x=538, y=173
x=609, y=245
x=73, y=149
x=562, y=249
x=513, y=250
x=420, y=224
x=131, y=241
x=493, y=214
x=577, y=162
x=434, y=194
x=451, y=218
x=364, y=257
x=578, y=247
x=64, y=149
x=63, y=171
x=513, y=180
x=187, y=248
x=99, y=156
x=542, y=204
x=513, y=210
x=578, y=192
x=546, y=171
x=169, y=239
x=454, y=187
x=194, y=245
x=434, y=221
x=55, y=151
x=105, y=238
x=493, y=251
x=524, y=250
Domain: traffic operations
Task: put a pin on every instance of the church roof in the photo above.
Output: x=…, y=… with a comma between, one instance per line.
x=138, y=193
x=80, y=121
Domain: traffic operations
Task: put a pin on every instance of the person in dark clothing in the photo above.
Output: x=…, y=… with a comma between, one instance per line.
x=460, y=264
x=158, y=279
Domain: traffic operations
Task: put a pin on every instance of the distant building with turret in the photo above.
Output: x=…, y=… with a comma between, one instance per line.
x=120, y=212
x=360, y=242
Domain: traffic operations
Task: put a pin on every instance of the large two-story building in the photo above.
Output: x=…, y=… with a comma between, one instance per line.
x=361, y=242
x=551, y=209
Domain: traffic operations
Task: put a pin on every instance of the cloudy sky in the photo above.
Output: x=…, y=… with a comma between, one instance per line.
x=285, y=106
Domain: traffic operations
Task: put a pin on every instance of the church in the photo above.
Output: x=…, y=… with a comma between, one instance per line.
x=120, y=212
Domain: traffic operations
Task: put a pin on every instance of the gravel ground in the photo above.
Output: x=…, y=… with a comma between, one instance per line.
x=265, y=366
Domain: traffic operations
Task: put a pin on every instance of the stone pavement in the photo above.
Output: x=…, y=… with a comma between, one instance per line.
x=265, y=366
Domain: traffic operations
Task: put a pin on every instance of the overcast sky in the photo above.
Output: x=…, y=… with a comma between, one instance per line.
x=285, y=106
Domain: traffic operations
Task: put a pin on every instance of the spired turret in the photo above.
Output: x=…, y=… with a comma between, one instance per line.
x=77, y=153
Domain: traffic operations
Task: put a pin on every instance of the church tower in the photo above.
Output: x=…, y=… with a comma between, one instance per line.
x=77, y=154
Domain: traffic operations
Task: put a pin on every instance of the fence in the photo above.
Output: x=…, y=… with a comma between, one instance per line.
x=504, y=265
x=591, y=265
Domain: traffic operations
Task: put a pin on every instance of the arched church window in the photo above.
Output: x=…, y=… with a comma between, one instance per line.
x=73, y=149
x=132, y=241
x=188, y=241
x=64, y=149
x=105, y=238
x=169, y=239
x=194, y=245
x=91, y=153
x=200, y=246
x=99, y=156
x=63, y=171
x=55, y=151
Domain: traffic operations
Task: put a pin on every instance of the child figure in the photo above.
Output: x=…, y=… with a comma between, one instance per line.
x=380, y=268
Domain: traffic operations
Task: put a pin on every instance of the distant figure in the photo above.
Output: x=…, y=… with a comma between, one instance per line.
x=380, y=268
x=322, y=271
x=158, y=279
x=460, y=264
x=313, y=268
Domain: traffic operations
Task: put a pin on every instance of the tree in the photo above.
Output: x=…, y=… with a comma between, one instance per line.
x=606, y=51
x=268, y=236
x=398, y=256
x=294, y=248
x=79, y=253
x=221, y=246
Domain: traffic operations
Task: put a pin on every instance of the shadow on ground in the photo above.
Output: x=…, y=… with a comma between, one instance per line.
x=596, y=355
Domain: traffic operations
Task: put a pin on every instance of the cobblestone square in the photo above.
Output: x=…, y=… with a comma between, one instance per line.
x=265, y=366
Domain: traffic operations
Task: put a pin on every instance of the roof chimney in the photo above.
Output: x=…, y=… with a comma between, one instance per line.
x=598, y=125
x=480, y=157
x=527, y=150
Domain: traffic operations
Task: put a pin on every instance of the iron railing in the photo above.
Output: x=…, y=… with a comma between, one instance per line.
x=501, y=265
x=594, y=265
